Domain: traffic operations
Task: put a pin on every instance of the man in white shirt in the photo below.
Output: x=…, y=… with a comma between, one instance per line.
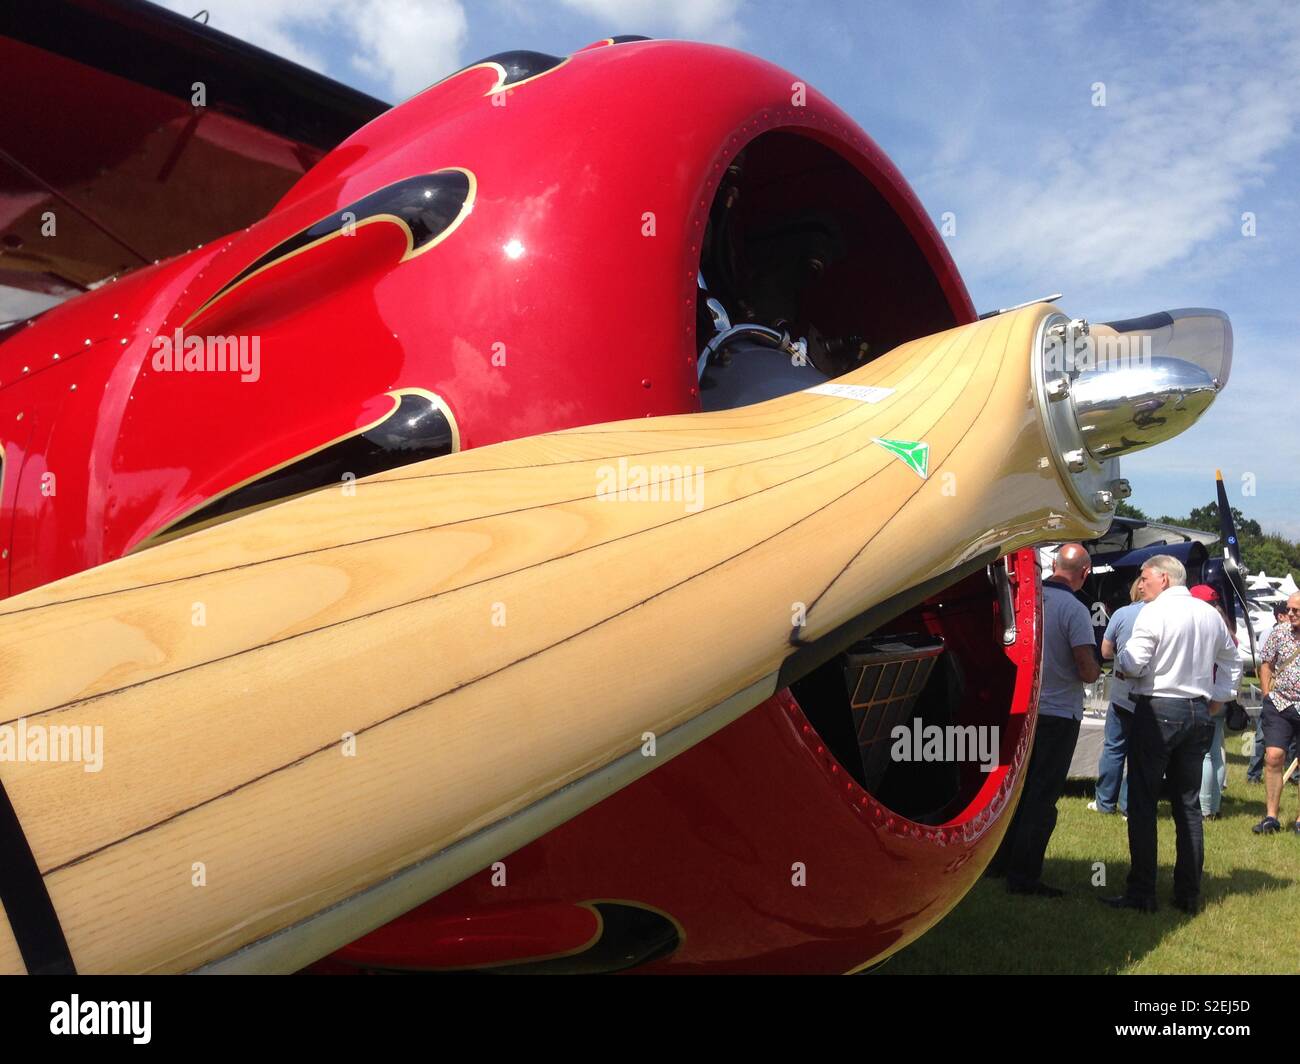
x=1169, y=661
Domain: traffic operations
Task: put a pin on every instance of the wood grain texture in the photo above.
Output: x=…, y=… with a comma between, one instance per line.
x=373, y=615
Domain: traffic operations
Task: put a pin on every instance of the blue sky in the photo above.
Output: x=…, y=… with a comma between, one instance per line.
x=991, y=112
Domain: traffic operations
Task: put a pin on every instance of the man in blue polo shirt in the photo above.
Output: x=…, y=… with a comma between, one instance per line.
x=1069, y=662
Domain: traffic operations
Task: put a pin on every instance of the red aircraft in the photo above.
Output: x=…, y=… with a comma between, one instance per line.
x=579, y=228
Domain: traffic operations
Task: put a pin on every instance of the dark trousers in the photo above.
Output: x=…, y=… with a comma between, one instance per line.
x=1170, y=737
x=1021, y=853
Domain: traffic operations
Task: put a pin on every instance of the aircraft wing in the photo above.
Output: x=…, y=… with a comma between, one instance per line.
x=106, y=163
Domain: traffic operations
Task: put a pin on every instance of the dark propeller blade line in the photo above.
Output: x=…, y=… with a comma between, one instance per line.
x=1232, y=558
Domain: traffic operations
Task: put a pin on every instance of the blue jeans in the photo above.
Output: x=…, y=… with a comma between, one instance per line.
x=1255, y=769
x=1112, y=783
x=1214, y=772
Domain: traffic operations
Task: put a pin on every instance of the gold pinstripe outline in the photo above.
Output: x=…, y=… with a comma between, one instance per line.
x=409, y=253
x=499, y=85
x=167, y=532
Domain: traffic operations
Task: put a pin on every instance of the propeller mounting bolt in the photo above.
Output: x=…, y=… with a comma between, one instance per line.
x=1121, y=488
x=1104, y=500
x=1058, y=388
x=1076, y=460
x=1075, y=325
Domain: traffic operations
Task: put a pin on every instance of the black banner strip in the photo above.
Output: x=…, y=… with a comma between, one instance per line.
x=27, y=903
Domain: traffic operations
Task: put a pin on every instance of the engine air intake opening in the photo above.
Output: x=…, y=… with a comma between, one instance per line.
x=799, y=241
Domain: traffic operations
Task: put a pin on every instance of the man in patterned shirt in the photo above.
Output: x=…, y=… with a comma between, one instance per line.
x=1279, y=680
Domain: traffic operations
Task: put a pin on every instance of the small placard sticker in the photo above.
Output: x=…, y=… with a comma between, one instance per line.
x=863, y=393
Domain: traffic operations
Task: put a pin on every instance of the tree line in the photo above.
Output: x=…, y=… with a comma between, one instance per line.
x=1273, y=553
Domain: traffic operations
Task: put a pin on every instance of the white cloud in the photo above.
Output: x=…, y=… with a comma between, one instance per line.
x=1138, y=205
x=713, y=20
x=1186, y=139
x=276, y=25
x=406, y=45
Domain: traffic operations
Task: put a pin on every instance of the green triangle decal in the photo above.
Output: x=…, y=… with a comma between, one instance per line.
x=916, y=455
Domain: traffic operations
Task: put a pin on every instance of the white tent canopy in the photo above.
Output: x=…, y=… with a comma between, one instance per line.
x=1271, y=587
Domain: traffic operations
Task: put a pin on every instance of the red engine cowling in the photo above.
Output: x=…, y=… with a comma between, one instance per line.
x=515, y=250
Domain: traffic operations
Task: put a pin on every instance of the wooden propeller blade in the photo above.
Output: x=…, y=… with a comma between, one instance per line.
x=319, y=714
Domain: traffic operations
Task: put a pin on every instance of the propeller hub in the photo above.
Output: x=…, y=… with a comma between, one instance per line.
x=1111, y=389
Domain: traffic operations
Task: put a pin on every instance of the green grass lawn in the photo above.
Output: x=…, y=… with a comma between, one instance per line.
x=1250, y=924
